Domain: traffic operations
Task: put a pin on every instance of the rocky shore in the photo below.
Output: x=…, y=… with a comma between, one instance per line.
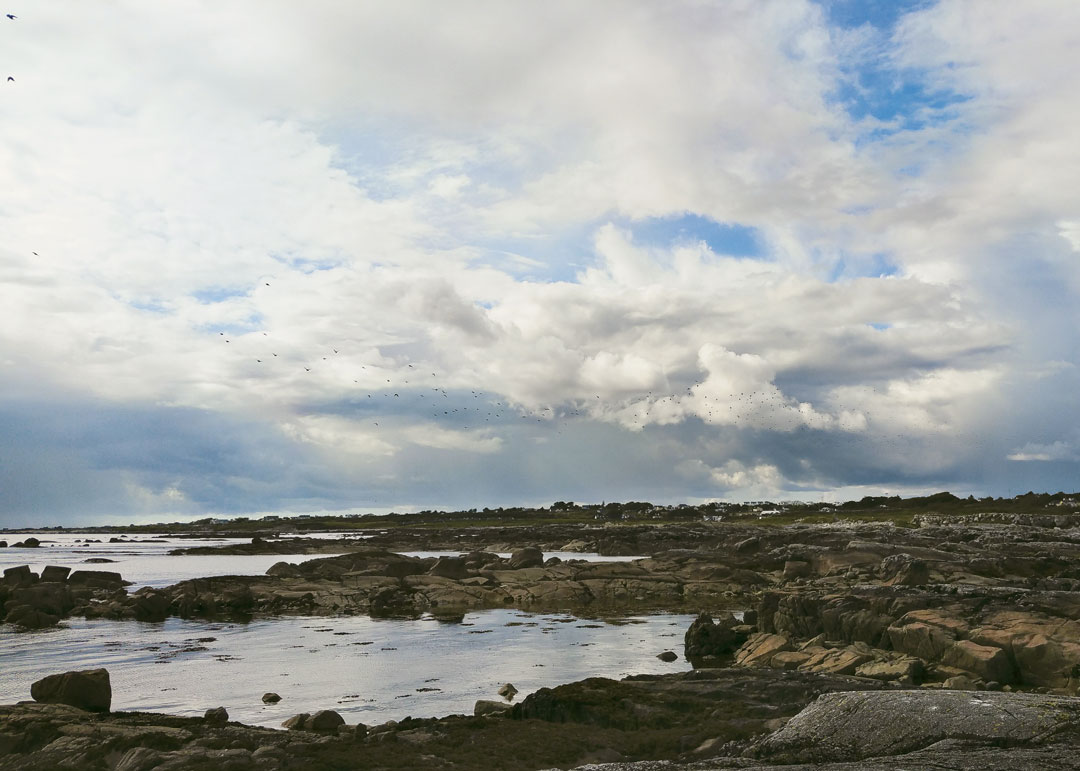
x=723, y=718
x=955, y=644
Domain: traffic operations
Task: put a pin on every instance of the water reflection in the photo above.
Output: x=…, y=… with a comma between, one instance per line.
x=145, y=561
x=367, y=669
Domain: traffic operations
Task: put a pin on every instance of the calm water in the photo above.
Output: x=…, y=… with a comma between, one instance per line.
x=149, y=563
x=368, y=670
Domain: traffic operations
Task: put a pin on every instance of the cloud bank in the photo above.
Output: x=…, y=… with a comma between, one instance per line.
x=271, y=257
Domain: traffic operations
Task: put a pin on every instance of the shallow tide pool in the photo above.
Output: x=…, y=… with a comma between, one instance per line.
x=147, y=562
x=369, y=670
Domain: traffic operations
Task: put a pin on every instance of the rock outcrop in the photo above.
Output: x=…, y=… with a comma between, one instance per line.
x=860, y=725
x=708, y=639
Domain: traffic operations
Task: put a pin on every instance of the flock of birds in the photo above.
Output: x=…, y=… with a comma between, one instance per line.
x=410, y=388
x=382, y=389
x=11, y=17
x=767, y=409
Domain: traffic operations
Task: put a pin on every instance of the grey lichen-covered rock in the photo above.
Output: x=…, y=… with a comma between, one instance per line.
x=840, y=727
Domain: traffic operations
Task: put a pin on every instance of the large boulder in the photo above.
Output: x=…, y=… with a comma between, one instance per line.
x=983, y=661
x=284, y=570
x=55, y=574
x=923, y=641
x=904, y=570
x=97, y=579
x=20, y=575
x=707, y=637
x=529, y=557
x=449, y=567
x=391, y=602
x=797, y=569
x=26, y=617
x=87, y=689
x=487, y=707
x=851, y=726
x=1045, y=649
x=216, y=716
x=54, y=599
x=907, y=670
x=323, y=721
x=238, y=599
x=150, y=605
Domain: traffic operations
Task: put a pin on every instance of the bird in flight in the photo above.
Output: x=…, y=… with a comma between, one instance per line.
x=12, y=16
x=10, y=79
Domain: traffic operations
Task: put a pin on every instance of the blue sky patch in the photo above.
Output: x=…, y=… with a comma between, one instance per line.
x=897, y=98
x=217, y=294
x=562, y=256
x=882, y=14
x=149, y=306
x=544, y=258
x=722, y=238
x=862, y=266
x=873, y=87
x=306, y=265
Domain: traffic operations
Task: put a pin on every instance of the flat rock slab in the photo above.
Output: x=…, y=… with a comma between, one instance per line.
x=858, y=725
x=944, y=757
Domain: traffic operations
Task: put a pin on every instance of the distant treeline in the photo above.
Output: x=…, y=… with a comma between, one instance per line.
x=891, y=508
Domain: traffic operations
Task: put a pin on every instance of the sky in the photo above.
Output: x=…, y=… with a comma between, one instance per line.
x=279, y=257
